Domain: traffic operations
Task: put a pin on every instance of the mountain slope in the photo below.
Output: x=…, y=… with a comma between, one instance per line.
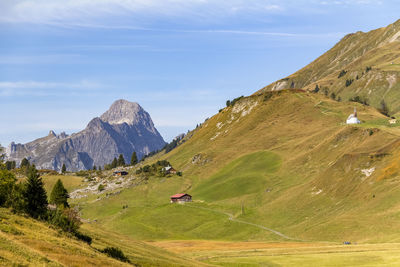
x=124, y=128
x=311, y=176
x=371, y=65
x=25, y=241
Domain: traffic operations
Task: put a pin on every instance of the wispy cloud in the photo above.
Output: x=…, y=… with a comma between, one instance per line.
x=37, y=88
x=40, y=59
x=44, y=11
x=352, y=2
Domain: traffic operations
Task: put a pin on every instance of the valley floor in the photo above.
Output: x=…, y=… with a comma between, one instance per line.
x=285, y=254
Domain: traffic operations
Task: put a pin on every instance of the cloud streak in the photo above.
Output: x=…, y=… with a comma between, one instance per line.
x=44, y=11
x=35, y=88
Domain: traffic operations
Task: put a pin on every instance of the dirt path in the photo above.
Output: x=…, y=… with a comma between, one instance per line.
x=233, y=219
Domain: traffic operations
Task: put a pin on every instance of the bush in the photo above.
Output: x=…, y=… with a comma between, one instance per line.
x=230, y=103
x=115, y=253
x=7, y=182
x=384, y=108
x=63, y=219
x=342, y=73
x=101, y=187
x=360, y=100
x=83, y=237
x=146, y=168
x=82, y=174
x=349, y=82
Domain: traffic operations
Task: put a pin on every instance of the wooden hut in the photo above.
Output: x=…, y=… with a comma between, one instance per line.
x=179, y=198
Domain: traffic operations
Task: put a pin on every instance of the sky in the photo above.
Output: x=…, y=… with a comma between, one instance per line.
x=64, y=62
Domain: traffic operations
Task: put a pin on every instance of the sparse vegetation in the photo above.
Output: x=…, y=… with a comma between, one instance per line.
x=384, y=108
x=173, y=144
x=360, y=100
x=230, y=103
x=115, y=253
x=342, y=73
x=349, y=82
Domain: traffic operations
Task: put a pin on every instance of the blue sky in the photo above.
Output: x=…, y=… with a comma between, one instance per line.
x=63, y=63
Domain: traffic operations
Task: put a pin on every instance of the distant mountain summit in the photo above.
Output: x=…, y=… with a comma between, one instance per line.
x=124, y=128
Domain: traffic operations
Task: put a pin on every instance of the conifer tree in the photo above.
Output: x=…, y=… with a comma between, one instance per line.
x=24, y=163
x=134, y=159
x=63, y=168
x=114, y=163
x=35, y=194
x=121, y=160
x=59, y=195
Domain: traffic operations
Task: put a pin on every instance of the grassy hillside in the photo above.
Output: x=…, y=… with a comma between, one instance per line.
x=370, y=63
x=70, y=182
x=27, y=242
x=282, y=161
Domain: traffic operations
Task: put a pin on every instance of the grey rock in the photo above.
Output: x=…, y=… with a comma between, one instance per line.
x=124, y=128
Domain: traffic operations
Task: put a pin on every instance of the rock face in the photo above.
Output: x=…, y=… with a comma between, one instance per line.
x=124, y=128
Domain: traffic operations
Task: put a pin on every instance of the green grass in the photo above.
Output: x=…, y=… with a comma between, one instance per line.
x=24, y=241
x=69, y=182
x=242, y=176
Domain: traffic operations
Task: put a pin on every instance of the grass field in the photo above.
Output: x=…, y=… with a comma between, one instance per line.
x=69, y=182
x=286, y=254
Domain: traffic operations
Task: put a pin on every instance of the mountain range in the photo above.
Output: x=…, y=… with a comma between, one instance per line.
x=124, y=128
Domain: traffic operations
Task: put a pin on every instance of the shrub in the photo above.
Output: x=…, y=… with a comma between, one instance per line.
x=349, y=82
x=101, y=187
x=7, y=182
x=383, y=108
x=146, y=168
x=83, y=237
x=64, y=220
x=342, y=73
x=115, y=253
x=360, y=100
x=82, y=174
x=230, y=103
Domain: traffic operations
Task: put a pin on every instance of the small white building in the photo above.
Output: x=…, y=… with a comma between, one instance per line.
x=352, y=119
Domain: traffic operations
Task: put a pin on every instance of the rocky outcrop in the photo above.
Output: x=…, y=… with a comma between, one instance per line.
x=124, y=128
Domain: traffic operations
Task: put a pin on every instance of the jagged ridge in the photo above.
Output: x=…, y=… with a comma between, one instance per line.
x=124, y=128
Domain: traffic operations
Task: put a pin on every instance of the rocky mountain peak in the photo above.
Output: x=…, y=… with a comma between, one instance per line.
x=123, y=111
x=124, y=128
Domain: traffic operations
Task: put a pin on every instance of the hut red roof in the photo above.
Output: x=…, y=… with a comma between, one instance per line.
x=178, y=195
